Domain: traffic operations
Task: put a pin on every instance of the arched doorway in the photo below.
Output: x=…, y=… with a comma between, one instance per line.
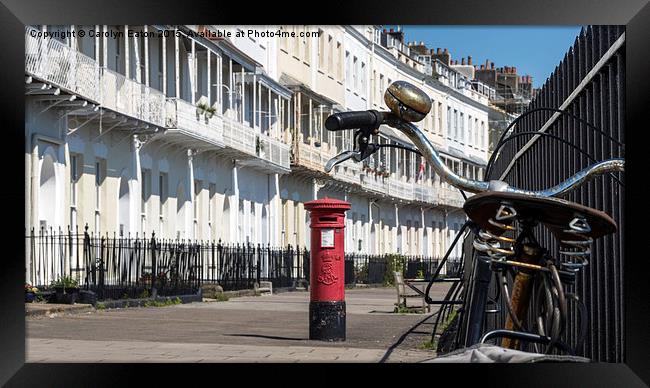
x=47, y=198
x=124, y=206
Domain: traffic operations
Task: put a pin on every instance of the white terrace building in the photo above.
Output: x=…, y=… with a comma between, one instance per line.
x=172, y=132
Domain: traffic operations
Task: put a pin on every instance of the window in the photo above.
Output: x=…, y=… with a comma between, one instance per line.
x=163, y=193
x=462, y=127
x=74, y=177
x=449, y=122
x=440, y=118
x=482, y=135
x=355, y=74
x=348, y=79
x=363, y=79
x=330, y=50
x=455, y=124
x=339, y=65
x=100, y=174
x=322, y=50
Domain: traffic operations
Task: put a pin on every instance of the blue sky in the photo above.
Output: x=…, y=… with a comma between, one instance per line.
x=533, y=50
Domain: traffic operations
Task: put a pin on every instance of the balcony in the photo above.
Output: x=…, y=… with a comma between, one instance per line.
x=71, y=72
x=274, y=151
x=374, y=182
x=448, y=196
x=400, y=189
x=186, y=123
x=52, y=61
x=133, y=99
x=253, y=148
x=312, y=157
x=424, y=193
x=238, y=136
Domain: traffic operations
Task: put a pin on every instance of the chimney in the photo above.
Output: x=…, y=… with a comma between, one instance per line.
x=482, y=67
x=514, y=70
x=469, y=60
x=492, y=64
x=391, y=30
x=446, y=51
x=438, y=50
x=462, y=61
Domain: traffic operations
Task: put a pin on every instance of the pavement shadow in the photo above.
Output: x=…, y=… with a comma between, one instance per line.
x=273, y=337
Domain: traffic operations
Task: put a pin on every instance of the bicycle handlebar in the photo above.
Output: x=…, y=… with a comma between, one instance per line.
x=349, y=120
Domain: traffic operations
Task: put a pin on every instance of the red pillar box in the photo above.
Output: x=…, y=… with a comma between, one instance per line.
x=327, y=269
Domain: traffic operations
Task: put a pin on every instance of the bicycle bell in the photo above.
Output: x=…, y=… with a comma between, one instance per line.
x=407, y=101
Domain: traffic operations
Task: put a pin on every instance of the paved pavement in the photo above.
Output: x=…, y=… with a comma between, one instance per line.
x=270, y=328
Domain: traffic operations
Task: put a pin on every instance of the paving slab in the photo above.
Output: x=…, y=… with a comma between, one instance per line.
x=246, y=329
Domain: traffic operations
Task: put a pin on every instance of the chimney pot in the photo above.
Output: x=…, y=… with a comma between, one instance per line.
x=482, y=66
x=446, y=51
x=469, y=59
x=492, y=64
x=438, y=50
x=462, y=61
x=391, y=30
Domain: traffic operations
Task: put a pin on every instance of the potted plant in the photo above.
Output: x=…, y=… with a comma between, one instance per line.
x=210, y=111
x=67, y=289
x=30, y=293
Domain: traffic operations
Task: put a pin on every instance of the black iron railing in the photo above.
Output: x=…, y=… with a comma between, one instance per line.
x=117, y=267
x=590, y=84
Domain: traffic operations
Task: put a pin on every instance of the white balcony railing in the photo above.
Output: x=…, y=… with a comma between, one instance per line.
x=274, y=151
x=238, y=136
x=424, y=193
x=400, y=189
x=131, y=98
x=183, y=115
x=51, y=60
x=374, y=182
x=312, y=157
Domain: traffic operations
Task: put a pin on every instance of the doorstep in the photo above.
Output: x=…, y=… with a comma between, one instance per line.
x=38, y=309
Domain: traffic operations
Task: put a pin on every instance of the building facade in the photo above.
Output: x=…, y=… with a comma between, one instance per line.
x=188, y=133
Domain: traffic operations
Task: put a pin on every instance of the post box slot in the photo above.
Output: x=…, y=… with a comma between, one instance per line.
x=327, y=219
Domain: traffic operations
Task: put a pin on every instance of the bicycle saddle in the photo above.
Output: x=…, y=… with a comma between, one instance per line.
x=559, y=215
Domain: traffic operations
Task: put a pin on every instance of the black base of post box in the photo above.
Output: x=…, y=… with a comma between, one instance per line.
x=327, y=321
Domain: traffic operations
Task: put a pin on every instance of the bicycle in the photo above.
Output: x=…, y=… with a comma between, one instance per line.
x=501, y=219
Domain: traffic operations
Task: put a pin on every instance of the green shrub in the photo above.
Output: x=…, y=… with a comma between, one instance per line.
x=221, y=297
x=65, y=282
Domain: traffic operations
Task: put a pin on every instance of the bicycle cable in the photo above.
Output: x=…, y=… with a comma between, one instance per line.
x=493, y=157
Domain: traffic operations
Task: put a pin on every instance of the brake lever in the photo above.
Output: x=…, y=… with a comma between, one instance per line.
x=342, y=157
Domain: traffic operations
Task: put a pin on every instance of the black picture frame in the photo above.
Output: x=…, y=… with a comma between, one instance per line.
x=14, y=14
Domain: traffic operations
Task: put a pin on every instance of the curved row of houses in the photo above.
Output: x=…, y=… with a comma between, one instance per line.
x=203, y=137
